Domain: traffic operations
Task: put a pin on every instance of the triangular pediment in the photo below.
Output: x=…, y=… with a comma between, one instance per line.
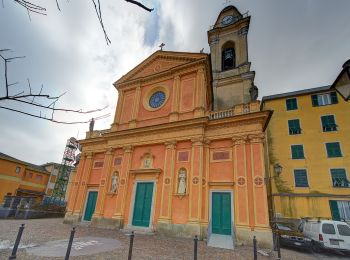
x=159, y=62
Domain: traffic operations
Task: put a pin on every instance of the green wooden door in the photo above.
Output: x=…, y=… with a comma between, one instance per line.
x=90, y=205
x=143, y=204
x=221, y=213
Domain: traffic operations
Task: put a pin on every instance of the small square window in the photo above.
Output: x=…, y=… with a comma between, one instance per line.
x=300, y=177
x=294, y=127
x=18, y=169
x=297, y=151
x=333, y=150
x=339, y=178
x=291, y=104
x=328, y=123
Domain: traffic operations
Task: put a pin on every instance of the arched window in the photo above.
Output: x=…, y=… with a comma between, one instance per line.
x=228, y=56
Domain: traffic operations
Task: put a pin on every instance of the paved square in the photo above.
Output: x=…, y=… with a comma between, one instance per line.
x=92, y=243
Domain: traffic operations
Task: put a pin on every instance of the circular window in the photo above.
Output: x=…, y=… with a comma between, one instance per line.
x=157, y=99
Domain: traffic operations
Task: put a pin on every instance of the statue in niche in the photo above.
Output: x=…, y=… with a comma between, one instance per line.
x=114, y=182
x=181, y=188
x=254, y=92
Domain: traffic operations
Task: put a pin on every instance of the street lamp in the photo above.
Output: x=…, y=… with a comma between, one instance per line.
x=342, y=83
x=278, y=169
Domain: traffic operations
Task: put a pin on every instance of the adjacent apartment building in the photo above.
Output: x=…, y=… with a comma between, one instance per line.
x=308, y=138
x=20, y=178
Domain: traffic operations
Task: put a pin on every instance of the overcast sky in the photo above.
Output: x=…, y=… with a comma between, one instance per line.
x=292, y=45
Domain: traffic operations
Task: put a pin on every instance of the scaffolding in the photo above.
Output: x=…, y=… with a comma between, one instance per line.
x=59, y=191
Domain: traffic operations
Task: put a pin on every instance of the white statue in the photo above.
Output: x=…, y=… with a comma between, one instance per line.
x=181, y=189
x=114, y=184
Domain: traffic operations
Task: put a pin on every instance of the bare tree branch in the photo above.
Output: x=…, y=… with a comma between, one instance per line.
x=99, y=16
x=139, y=4
x=28, y=98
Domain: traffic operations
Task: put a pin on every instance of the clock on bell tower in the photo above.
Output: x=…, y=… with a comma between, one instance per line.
x=233, y=82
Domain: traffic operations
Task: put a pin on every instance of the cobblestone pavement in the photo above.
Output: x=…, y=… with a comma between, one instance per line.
x=38, y=231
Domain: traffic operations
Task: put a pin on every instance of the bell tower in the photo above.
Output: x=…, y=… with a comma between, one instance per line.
x=233, y=82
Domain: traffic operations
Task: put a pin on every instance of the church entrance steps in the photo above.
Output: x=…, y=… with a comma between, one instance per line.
x=138, y=230
x=221, y=241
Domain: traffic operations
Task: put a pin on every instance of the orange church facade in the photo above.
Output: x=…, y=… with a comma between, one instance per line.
x=172, y=162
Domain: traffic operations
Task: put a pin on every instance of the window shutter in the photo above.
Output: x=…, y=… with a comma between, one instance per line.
x=334, y=210
x=334, y=97
x=314, y=101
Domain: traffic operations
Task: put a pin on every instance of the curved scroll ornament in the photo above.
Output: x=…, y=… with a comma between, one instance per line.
x=181, y=188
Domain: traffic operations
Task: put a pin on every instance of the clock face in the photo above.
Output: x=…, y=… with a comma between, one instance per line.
x=227, y=20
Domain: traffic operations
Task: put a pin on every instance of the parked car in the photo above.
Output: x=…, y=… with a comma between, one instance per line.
x=327, y=234
x=290, y=237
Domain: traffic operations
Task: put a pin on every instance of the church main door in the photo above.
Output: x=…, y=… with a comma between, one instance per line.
x=143, y=204
x=221, y=213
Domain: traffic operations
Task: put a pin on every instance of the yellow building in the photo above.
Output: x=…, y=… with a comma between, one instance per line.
x=19, y=178
x=308, y=137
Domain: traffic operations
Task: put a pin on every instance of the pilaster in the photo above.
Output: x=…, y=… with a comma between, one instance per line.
x=104, y=182
x=174, y=114
x=169, y=167
x=123, y=187
x=82, y=185
x=118, y=111
x=199, y=94
x=195, y=181
x=135, y=108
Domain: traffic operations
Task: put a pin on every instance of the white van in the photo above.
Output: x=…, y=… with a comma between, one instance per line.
x=327, y=234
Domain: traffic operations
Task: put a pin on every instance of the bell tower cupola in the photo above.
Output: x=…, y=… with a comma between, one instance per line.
x=233, y=82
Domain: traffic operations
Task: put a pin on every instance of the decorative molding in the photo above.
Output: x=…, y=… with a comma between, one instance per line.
x=170, y=145
x=128, y=149
x=221, y=183
x=256, y=138
x=239, y=139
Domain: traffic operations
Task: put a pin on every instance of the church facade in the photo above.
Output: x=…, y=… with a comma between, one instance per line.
x=185, y=153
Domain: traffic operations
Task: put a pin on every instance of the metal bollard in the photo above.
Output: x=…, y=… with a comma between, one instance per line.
x=255, y=249
x=195, y=249
x=70, y=243
x=18, y=239
x=131, y=244
x=278, y=247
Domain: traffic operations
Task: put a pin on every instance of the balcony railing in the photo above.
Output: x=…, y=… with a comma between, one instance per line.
x=236, y=110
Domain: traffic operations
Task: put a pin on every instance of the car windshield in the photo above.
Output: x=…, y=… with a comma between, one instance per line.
x=328, y=229
x=344, y=230
x=281, y=227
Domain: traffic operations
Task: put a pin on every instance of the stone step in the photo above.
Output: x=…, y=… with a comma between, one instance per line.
x=221, y=241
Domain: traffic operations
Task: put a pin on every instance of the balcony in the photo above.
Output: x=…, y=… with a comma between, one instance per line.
x=240, y=109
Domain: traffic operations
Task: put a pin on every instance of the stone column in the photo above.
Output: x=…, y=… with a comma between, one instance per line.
x=82, y=188
x=118, y=111
x=135, y=108
x=169, y=167
x=205, y=189
x=174, y=114
x=123, y=186
x=104, y=183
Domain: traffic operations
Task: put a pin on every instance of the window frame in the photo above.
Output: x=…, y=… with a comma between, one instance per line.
x=335, y=124
x=307, y=178
x=291, y=150
x=296, y=102
x=340, y=150
x=346, y=178
x=289, y=131
x=332, y=97
x=18, y=169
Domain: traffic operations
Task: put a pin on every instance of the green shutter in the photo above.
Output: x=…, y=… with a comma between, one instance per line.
x=328, y=123
x=294, y=126
x=334, y=97
x=297, y=151
x=300, y=177
x=314, y=101
x=291, y=104
x=334, y=210
x=333, y=150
